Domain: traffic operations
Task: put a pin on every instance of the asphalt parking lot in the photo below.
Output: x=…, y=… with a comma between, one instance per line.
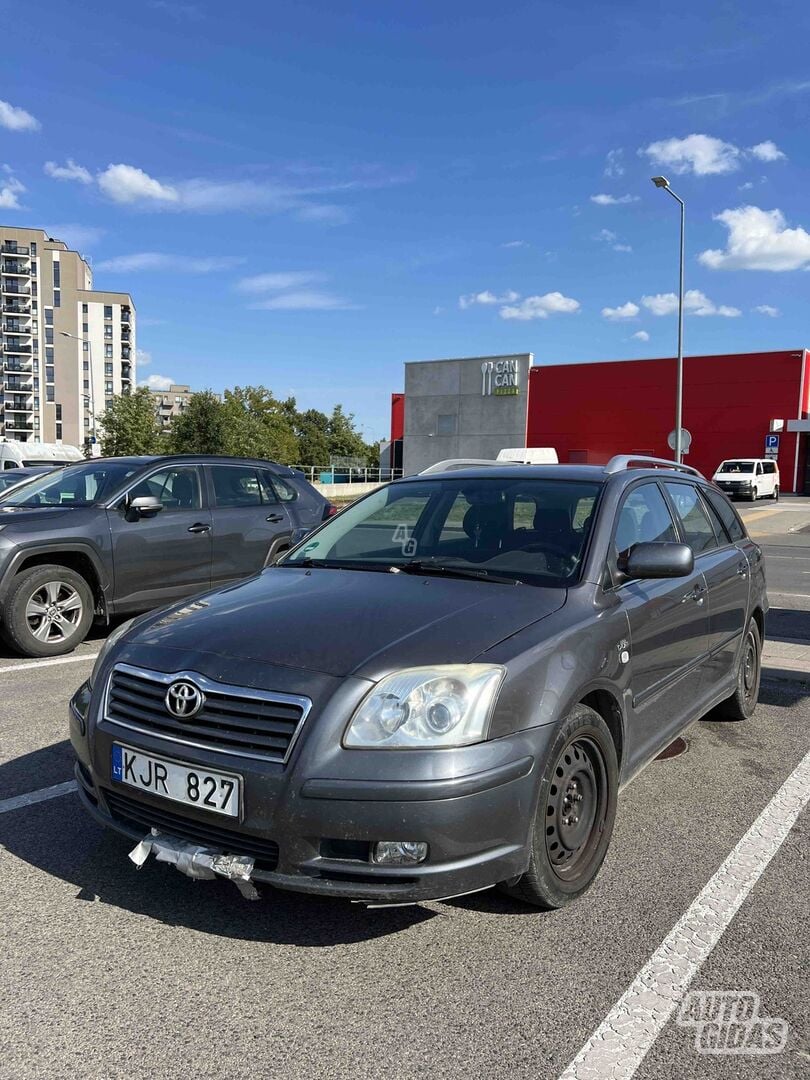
x=112, y=972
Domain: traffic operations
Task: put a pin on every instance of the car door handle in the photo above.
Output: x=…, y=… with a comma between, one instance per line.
x=695, y=594
x=742, y=570
x=200, y=527
x=274, y=517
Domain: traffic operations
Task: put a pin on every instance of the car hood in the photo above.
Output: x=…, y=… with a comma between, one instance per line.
x=343, y=622
x=38, y=515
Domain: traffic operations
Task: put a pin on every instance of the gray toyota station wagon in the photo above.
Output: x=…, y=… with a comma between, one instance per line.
x=441, y=689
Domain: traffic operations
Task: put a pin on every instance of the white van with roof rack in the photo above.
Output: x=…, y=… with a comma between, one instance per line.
x=748, y=478
x=15, y=454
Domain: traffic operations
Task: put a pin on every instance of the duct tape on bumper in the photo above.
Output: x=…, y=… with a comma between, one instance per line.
x=195, y=861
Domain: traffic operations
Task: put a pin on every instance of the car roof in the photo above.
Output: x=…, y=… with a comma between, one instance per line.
x=593, y=473
x=192, y=459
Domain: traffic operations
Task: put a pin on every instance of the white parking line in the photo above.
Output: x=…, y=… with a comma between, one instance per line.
x=619, y=1044
x=48, y=663
x=37, y=796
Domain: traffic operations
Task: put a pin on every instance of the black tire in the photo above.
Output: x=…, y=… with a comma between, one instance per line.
x=776, y=493
x=754, y=495
x=575, y=813
x=48, y=611
x=741, y=704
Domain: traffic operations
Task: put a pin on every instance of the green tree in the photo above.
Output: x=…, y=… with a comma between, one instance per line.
x=259, y=425
x=346, y=441
x=201, y=427
x=130, y=426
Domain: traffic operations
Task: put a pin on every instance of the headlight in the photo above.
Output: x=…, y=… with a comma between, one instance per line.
x=426, y=707
x=105, y=648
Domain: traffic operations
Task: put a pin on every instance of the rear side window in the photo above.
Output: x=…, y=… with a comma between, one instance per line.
x=238, y=486
x=697, y=527
x=726, y=512
x=769, y=468
x=284, y=490
x=644, y=518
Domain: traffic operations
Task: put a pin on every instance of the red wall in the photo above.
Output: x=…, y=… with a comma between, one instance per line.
x=588, y=412
x=397, y=416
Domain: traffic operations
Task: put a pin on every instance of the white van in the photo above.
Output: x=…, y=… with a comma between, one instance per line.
x=748, y=478
x=19, y=455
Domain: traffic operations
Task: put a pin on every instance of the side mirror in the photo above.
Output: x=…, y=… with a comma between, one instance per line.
x=658, y=560
x=144, y=506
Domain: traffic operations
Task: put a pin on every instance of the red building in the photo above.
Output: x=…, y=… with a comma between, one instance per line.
x=591, y=411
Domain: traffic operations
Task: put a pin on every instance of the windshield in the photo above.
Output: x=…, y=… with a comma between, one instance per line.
x=737, y=467
x=76, y=485
x=527, y=530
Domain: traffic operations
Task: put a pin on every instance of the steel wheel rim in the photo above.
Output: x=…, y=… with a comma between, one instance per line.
x=53, y=612
x=576, y=808
x=749, y=666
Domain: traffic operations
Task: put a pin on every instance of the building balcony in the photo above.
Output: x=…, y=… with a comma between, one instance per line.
x=15, y=347
x=19, y=406
x=15, y=268
x=126, y=315
x=15, y=288
x=15, y=328
x=10, y=247
x=126, y=355
x=12, y=424
x=11, y=308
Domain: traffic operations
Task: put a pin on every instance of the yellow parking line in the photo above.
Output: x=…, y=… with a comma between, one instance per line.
x=762, y=514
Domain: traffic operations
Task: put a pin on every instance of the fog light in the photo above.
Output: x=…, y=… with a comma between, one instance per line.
x=399, y=852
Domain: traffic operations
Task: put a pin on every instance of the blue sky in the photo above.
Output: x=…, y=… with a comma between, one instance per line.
x=308, y=194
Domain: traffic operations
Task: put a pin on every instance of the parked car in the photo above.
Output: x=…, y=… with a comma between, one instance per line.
x=117, y=535
x=441, y=689
x=11, y=477
x=748, y=478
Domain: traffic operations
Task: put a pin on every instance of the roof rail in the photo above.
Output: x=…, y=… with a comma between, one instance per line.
x=451, y=464
x=627, y=461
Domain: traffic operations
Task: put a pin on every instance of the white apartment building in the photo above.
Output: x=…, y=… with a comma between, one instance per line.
x=66, y=349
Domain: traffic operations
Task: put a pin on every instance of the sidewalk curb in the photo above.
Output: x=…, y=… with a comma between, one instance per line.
x=785, y=674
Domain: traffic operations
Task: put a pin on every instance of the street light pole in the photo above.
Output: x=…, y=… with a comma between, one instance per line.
x=662, y=182
x=92, y=398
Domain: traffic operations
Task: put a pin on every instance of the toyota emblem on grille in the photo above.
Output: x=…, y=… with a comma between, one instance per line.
x=184, y=700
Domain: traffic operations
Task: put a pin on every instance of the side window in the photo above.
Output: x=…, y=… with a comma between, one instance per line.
x=644, y=517
x=283, y=490
x=698, y=529
x=177, y=489
x=236, y=486
x=770, y=468
x=726, y=512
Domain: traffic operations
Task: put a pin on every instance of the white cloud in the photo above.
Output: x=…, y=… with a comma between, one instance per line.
x=290, y=279
x=746, y=186
x=625, y=311
x=16, y=119
x=76, y=236
x=641, y=335
x=127, y=184
x=10, y=188
x=613, y=200
x=767, y=151
x=158, y=260
x=695, y=302
x=769, y=310
x=158, y=382
x=143, y=358
x=180, y=12
x=610, y=237
x=69, y=171
x=540, y=307
x=758, y=240
x=702, y=155
x=622, y=247
x=304, y=300
x=614, y=164
x=487, y=299
x=515, y=244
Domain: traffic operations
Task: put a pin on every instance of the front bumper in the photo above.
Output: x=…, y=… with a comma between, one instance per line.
x=313, y=833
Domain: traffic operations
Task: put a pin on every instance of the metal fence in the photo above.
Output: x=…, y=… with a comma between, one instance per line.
x=343, y=474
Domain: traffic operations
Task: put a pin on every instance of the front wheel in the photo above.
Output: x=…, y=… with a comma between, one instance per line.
x=754, y=495
x=575, y=813
x=776, y=493
x=48, y=611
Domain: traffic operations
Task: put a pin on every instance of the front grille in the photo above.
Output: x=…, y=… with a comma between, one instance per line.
x=131, y=813
x=233, y=719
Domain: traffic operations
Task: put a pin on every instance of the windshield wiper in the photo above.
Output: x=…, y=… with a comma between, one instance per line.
x=424, y=566
x=334, y=564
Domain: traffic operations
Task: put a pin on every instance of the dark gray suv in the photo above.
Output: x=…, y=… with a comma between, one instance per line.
x=441, y=689
x=116, y=535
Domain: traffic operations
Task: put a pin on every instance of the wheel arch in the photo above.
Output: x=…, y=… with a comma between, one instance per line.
x=606, y=703
x=78, y=559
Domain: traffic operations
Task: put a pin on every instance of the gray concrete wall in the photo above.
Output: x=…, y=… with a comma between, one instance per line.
x=488, y=416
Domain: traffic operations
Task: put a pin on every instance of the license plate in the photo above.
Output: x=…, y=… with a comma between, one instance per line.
x=217, y=792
